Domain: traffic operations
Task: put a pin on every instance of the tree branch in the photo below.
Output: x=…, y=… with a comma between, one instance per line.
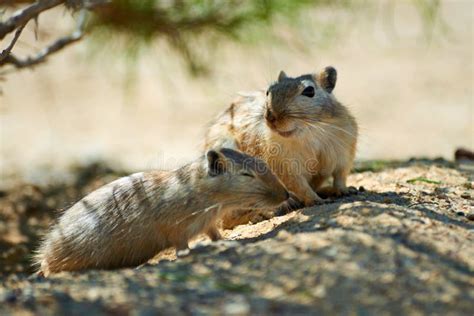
x=21, y=17
x=7, y=50
x=51, y=49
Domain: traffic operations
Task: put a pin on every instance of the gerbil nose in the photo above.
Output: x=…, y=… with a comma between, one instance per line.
x=270, y=117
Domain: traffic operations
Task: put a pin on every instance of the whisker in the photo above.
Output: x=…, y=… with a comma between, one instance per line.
x=328, y=132
x=339, y=129
x=199, y=212
x=308, y=120
x=324, y=132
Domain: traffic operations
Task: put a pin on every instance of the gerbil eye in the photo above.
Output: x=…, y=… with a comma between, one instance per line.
x=268, y=92
x=308, y=92
x=246, y=174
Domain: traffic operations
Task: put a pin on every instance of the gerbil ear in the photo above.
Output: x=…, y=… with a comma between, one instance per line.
x=216, y=163
x=282, y=76
x=327, y=78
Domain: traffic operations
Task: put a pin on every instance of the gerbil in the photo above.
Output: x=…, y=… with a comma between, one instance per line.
x=298, y=127
x=128, y=221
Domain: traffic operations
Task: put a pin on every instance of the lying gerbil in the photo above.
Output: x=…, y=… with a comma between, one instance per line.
x=128, y=221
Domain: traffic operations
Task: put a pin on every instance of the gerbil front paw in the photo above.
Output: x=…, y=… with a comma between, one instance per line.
x=290, y=205
x=314, y=199
x=317, y=201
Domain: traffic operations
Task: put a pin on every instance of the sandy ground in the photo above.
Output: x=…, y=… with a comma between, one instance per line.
x=412, y=95
x=398, y=247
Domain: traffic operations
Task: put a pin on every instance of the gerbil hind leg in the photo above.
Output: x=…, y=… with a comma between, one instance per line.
x=326, y=190
x=339, y=184
x=316, y=183
x=182, y=248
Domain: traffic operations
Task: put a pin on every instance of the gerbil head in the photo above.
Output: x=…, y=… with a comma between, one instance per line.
x=239, y=180
x=295, y=102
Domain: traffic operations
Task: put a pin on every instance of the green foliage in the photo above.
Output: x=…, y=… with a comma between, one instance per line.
x=422, y=179
x=139, y=22
x=231, y=286
x=428, y=10
x=375, y=165
x=190, y=24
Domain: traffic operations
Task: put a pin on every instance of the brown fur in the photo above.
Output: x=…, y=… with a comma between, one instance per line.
x=305, y=140
x=128, y=221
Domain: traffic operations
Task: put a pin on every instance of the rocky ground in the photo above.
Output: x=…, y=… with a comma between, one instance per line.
x=403, y=245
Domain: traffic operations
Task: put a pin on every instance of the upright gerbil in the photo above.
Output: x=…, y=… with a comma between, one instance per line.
x=298, y=127
x=128, y=221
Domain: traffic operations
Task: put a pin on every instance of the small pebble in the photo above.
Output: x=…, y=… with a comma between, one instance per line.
x=470, y=216
x=387, y=200
x=469, y=185
x=237, y=306
x=460, y=213
x=11, y=297
x=283, y=235
x=361, y=189
x=466, y=195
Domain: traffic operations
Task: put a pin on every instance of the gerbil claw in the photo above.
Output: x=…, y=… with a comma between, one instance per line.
x=146, y=264
x=182, y=253
x=37, y=275
x=347, y=191
x=352, y=190
x=336, y=192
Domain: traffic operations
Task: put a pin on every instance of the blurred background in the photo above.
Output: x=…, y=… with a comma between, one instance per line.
x=138, y=90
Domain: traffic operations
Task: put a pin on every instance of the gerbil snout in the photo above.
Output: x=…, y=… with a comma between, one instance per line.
x=270, y=118
x=278, y=124
x=287, y=195
x=280, y=196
